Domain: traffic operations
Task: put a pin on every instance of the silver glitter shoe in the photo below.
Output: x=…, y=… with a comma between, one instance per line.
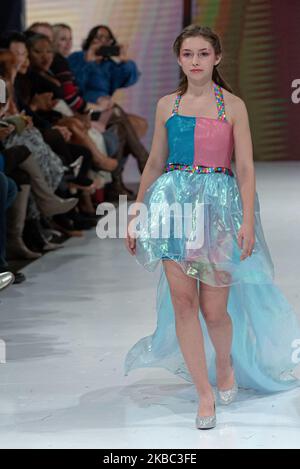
x=228, y=396
x=205, y=423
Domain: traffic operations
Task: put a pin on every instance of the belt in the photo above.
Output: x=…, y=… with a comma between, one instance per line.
x=197, y=168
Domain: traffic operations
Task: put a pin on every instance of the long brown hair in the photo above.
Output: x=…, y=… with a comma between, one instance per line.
x=194, y=30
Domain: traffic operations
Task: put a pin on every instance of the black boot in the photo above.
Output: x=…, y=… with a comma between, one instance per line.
x=35, y=238
x=133, y=144
x=116, y=188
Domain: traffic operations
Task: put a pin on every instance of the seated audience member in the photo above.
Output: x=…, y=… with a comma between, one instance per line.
x=97, y=75
x=8, y=192
x=128, y=127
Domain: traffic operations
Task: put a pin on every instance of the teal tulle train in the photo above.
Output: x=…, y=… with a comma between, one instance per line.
x=266, y=330
x=193, y=217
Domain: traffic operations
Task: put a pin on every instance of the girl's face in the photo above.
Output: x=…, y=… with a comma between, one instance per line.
x=102, y=38
x=63, y=41
x=20, y=53
x=41, y=55
x=197, y=58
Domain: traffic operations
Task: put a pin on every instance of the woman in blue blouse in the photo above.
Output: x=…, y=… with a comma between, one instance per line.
x=99, y=76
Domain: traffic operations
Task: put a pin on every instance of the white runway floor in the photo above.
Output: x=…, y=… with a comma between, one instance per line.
x=68, y=328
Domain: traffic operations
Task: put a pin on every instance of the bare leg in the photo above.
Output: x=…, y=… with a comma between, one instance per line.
x=213, y=304
x=185, y=301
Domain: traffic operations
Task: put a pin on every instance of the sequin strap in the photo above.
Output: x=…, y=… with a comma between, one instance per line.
x=219, y=99
x=220, y=102
x=176, y=104
x=197, y=169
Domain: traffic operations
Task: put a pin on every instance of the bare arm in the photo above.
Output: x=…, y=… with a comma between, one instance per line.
x=155, y=164
x=245, y=175
x=158, y=154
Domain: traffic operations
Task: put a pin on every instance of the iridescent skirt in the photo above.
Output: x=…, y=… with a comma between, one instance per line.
x=266, y=330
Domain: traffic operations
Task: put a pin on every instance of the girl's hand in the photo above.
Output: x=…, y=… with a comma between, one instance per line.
x=246, y=240
x=130, y=244
x=130, y=239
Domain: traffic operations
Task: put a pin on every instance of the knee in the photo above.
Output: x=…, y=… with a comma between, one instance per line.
x=185, y=306
x=214, y=316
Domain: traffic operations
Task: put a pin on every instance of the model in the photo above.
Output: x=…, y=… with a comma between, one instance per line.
x=221, y=319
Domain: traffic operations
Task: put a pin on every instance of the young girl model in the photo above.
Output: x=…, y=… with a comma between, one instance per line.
x=221, y=319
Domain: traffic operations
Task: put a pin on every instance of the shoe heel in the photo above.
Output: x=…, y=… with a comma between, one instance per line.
x=206, y=423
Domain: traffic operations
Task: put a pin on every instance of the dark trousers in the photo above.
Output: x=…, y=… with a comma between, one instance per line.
x=68, y=152
x=8, y=193
x=13, y=157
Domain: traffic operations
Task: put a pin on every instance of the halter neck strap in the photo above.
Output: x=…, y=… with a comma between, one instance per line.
x=219, y=100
